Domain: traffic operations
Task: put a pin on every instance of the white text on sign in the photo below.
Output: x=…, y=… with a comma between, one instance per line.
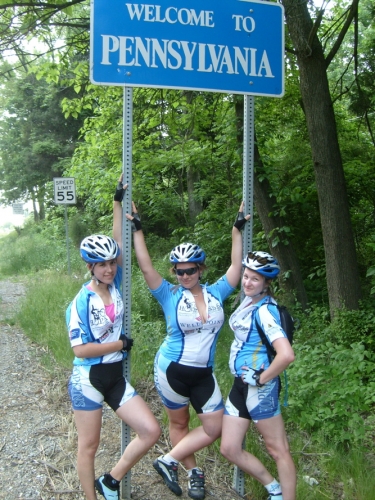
x=179, y=54
x=64, y=189
x=171, y=15
x=174, y=54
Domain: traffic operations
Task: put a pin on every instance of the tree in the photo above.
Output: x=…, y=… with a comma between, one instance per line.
x=183, y=158
x=42, y=22
x=341, y=261
x=36, y=139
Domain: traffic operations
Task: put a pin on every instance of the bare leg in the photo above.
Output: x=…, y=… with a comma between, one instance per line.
x=88, y=425
x=273, y=432
x=234, y=431
x=138, y=416
x=198, y=438
x=178, y=429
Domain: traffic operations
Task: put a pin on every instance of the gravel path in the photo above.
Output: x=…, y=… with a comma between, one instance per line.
x=37, y=433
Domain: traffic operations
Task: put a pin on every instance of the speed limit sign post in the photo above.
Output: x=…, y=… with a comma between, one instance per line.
x=65, y=194
x=65, y=190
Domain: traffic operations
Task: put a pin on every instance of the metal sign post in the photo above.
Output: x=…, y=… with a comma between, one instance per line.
x=248, y=168
x=248, y=197
x=126, y=258
x=65, y=194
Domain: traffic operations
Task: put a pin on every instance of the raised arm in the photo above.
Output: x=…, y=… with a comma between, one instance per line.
x=117, y=216
x=234, y=272
x=152, y=277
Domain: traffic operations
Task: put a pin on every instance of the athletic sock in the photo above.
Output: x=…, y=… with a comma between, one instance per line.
x=273, y=487
x=168, y=459
x=111, y=482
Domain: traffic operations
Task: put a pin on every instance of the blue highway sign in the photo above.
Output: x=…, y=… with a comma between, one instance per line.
x=233, y=46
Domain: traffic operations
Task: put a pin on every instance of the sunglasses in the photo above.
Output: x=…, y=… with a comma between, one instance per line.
x=189, y=271
x=261, y=260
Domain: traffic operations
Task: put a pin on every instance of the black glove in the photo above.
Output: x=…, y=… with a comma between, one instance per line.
x=240, y=221
x=119, y=193
x=127, y=343
x=136, y=223
x=252, y=377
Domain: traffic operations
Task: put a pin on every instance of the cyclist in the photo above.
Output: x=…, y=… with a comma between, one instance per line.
x=255, y=391
x=94, y=321
x=183, y=366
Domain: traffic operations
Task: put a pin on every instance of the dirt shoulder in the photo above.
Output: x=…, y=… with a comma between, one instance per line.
x=37, y=433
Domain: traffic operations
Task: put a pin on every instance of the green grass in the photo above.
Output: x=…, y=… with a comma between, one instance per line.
x=341, y=472
x=31, y=253
x=42, y=315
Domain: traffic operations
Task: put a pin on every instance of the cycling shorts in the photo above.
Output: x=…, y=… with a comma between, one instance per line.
x=253, y=403
x=89, y=386
x=178, y=385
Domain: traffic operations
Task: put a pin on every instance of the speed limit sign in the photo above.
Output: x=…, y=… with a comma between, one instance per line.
x=65, y=190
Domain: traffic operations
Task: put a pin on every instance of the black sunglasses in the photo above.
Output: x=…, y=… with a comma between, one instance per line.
x=189, y=271
x=261, y=260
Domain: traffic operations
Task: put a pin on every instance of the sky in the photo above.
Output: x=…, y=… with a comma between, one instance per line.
x=6, y=216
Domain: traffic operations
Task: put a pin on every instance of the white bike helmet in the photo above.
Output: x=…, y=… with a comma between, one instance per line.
x=187, y=252
x=263, y=263
x=99, y=248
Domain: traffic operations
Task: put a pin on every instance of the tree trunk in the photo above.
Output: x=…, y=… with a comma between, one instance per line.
x=195, y=206
x=35, y=210
x=41, y=203
x=283, y=252
x=341, y=263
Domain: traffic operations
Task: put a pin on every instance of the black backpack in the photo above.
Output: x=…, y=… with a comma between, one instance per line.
x=288, y=325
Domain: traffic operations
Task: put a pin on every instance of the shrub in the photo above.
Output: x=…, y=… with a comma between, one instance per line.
x=332, y=381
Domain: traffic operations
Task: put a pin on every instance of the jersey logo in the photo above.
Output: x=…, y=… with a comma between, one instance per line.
x=74, y=334
x=98, y=316
x=106, y=334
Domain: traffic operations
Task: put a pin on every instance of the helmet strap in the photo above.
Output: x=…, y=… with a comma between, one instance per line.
x=93, y=277
x=260, y=293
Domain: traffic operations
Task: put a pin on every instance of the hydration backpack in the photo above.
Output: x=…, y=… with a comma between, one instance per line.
x=287, y=324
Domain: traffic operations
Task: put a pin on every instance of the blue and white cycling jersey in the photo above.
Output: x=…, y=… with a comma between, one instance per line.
x=247, y=348
x=189, y=341
x=87, y=321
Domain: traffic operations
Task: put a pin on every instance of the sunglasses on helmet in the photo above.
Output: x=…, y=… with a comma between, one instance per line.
x=261, y=260
x=189, y=271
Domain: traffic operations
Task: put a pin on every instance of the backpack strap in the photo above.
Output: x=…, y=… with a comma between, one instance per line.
x=271, y=353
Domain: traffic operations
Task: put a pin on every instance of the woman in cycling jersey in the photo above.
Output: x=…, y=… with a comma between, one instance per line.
x=255, y=391
x=94, y=320
x=183, y=365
